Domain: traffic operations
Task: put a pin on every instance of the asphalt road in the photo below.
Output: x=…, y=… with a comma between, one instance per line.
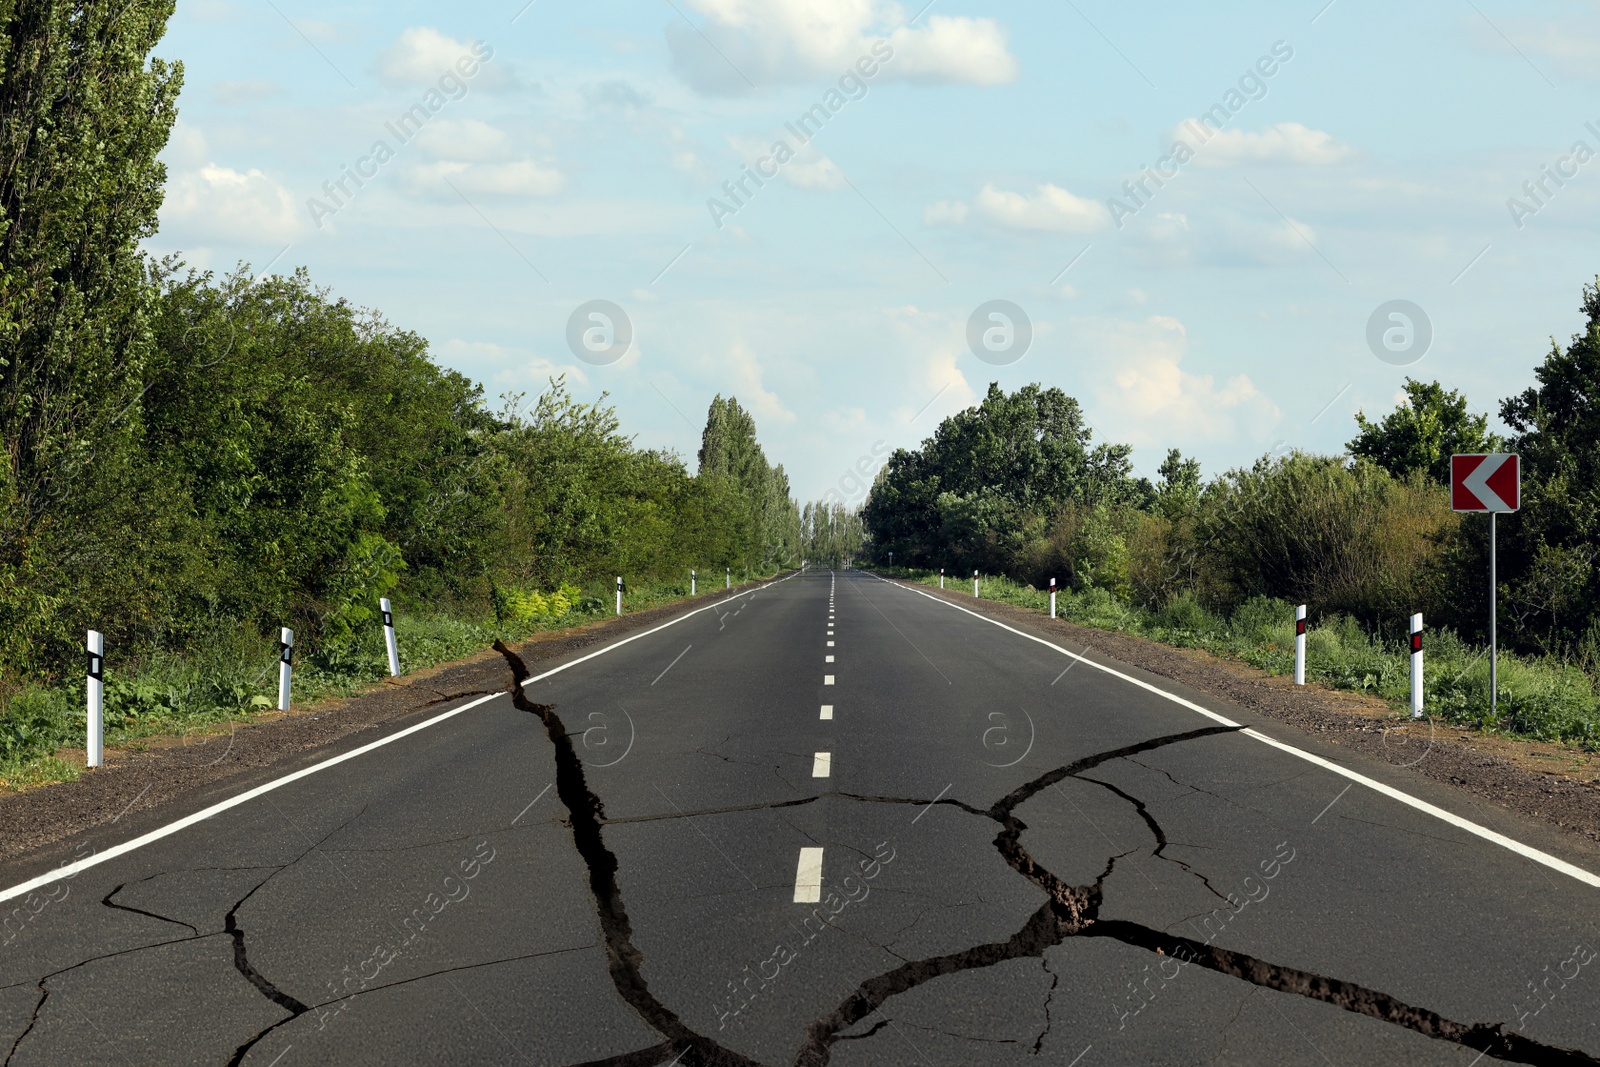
x=832, y=821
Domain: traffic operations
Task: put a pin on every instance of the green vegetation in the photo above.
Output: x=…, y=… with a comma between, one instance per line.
x=1016, y=487
x=200, y=693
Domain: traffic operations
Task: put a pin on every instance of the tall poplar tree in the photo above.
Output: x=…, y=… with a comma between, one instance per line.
x=84, y=111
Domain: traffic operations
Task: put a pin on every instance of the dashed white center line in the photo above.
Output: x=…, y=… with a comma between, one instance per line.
x=827, y=659
x=827, y=711
x=830, y=644
x=808, y=877
x=827, y=679
x=821, y=764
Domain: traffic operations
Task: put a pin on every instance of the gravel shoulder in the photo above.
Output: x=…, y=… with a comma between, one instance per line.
x=171, y=777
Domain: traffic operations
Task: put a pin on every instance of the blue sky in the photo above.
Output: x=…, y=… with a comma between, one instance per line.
x=988, y=156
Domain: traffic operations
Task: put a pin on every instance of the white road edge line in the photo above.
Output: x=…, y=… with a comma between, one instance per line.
x=1510, y=844
x=808, y=877
x=72, y=869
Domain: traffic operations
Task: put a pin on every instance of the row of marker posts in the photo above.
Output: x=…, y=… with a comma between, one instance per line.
x=1299, y=644
x=1414, y=635
x=727, y=582
x=95, y=649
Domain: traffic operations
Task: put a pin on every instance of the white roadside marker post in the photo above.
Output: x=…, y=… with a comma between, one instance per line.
x=974, y=583
x=1300, y=645
x=691, y=582
x=1416, y=665
x=728, y=579
x=388, y=637
x=95, y=748
x=1052, y=598
x=619, y=594
x=941, y=577
x=285, y=666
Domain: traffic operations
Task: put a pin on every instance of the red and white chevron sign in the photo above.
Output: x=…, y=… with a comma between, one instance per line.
x=1491, y=482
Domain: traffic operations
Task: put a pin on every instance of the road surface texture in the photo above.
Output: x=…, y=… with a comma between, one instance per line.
x=835, y=820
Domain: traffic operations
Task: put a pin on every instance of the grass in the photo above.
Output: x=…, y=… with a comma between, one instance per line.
x=1540, y=699
x=234, y=679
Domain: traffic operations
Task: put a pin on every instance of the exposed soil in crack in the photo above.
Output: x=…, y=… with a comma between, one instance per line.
x=1555, y=784
x=624, y=961
x=170, y=777
x=1489, y=1039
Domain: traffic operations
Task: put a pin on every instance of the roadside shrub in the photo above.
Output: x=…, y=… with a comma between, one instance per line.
x=1263, y=620
x=1183, y=612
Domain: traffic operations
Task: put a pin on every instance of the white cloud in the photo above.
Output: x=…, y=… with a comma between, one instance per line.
x=516, y=370
x=760, y=43
x=749, y=385
x=945, y=212
x=422, y=55
x=476, y=157
x=521, y=177
x=953, y=49
x=1050, y=209
x=1284, y=142
x=809, y=169
x=818, y=172
x=1144, y=396
x=219, y=203
x=1221, y=238
x=471, y=140
x=935, y=385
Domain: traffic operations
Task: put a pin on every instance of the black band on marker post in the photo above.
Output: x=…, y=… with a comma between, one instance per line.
x=285, y=653
x=388, y=618
x=1299, y=627
x=97, y=666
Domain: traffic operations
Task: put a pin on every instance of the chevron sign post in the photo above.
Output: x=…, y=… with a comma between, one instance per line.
x=1492, y=483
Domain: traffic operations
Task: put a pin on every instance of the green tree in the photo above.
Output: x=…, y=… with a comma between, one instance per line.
x=986, y=481
x=84, y=112
x=1422, y=432
x=1549, y=554
x=731, y=455
x=1180, y=486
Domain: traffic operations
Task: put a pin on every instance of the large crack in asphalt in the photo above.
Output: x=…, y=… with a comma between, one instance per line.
x=1068, y=911
x=624, y=961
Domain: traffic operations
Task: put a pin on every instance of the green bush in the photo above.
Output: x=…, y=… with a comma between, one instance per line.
x=1183, y=612
x=1263, y=620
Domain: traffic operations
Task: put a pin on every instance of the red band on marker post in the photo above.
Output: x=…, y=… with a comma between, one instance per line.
x=1416, y=666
